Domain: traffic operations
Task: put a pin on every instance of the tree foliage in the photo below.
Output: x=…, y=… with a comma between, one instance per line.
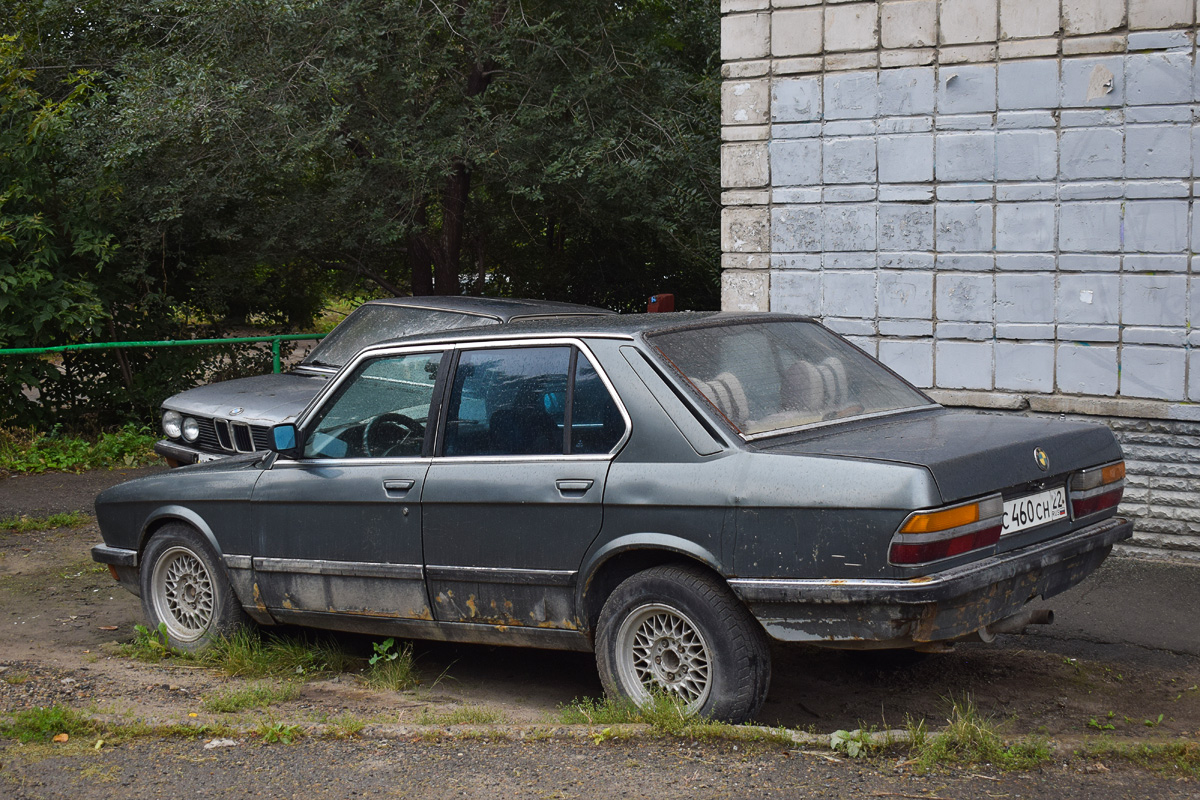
x=246, y=157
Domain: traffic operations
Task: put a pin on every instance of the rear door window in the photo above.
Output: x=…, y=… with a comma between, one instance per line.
x=529, y=401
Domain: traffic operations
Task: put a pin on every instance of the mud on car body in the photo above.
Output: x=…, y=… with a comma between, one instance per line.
x=230, y=417
x=670, y=491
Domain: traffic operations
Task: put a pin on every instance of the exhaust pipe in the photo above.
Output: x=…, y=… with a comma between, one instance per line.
x=1017, y=623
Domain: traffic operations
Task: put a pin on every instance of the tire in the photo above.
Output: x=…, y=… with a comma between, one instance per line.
x=680, y=629
x=184, y=587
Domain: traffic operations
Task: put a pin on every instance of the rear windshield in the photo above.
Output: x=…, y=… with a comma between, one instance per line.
x=372, y=324
x=771, y=377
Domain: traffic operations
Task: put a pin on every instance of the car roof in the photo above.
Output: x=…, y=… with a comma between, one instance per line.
x=615, y=325
x=502, y=308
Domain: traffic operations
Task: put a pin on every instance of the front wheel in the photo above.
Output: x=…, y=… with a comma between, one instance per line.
x=680, y=631
x=185, y=589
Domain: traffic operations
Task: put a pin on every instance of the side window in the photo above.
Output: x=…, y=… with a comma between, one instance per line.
x=596, y=422
x=508, y=401
x=380, y=412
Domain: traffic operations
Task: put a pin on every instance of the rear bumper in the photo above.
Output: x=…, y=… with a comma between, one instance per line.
x=946, y=605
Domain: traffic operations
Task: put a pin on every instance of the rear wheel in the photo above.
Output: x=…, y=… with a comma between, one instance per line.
x=680, y=631
x=185, y=589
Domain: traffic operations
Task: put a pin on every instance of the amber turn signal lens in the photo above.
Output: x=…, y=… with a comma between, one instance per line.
x=1112, y=473
x=942, y=520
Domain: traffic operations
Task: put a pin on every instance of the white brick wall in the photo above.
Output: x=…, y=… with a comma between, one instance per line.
x=996, y=197
x=1043, y=199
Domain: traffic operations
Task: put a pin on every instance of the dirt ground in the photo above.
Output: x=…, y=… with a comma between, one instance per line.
x=62, y=619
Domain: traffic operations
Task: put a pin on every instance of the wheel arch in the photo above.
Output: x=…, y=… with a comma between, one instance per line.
x=165, y=516
x=628, y=555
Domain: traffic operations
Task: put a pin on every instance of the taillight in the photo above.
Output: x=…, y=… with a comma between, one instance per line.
x=1094, y=490
x=932, y=535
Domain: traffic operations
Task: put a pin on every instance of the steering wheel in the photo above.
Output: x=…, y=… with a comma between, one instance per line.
x=391, y=434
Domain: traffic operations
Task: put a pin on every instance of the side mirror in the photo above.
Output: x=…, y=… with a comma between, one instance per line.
x=286, y=439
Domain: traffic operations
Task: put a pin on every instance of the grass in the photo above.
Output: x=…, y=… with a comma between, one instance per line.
x=970, y=738
x=664, y=713
x=26, y=450
x=247, y=654
x=462, y=715
x=1171, y=759
x=258, y=695
x=26, y=524
x=43, y=724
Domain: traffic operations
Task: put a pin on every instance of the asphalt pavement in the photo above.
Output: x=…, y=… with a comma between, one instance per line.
x=1129, y=603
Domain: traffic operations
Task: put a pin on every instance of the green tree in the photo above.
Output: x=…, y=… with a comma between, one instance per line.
x=245, y=158
x=483, y=145
x=52, y=248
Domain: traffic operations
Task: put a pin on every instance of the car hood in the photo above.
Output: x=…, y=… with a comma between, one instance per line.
x=969, y=454
x=214, y=477
x=264, y=399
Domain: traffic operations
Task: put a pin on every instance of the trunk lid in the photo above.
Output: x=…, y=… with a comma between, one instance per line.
x=969, y=454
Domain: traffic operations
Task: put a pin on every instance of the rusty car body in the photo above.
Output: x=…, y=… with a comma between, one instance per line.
x=671, y=491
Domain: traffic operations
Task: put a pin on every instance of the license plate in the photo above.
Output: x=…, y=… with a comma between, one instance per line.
x=1033, y=510
x=202, y=458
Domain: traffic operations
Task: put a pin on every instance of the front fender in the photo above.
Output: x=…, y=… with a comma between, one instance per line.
x=172, y=513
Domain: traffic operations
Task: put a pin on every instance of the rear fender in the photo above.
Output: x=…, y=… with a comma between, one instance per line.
x=656, y=548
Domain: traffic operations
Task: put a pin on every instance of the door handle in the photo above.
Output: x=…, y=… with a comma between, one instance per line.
x=573, y=486
x=399, y=486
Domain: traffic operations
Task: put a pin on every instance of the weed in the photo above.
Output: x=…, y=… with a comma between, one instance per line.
x=42, y=724
x=27, y=450
x=1153, y=723
x=278, y=732
x=970, y=738
x=462, y=715
x=259, y=695
x=151, y=645
x=1103, y=724
x=392, y=668
x=852, y=743
x=26, y=524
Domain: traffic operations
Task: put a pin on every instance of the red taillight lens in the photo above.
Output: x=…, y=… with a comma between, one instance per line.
x=933, y=535
x=1098, y=489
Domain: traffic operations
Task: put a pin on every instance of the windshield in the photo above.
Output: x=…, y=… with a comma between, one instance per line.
x=371, y=324
x=770, y=377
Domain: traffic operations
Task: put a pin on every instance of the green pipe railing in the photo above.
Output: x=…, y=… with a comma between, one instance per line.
x=274, y=340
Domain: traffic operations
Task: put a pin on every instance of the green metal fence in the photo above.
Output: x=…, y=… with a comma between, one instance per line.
x=274, y=340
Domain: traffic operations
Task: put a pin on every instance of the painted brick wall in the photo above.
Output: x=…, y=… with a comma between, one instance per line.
x=995, y=197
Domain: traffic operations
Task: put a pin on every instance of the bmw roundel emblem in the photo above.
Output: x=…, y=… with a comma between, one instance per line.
x=233, y=412
x=1043, y=460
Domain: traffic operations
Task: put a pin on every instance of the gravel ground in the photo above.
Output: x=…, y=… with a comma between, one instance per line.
x=318, y=769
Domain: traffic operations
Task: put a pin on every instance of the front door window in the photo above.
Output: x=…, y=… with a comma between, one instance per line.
x=380, y=412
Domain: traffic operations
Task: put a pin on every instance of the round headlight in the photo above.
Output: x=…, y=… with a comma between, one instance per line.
x=191, y=429
x=171, y=424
